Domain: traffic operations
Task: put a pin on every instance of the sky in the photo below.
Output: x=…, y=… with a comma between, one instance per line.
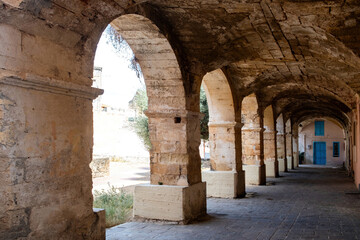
x=118, y=80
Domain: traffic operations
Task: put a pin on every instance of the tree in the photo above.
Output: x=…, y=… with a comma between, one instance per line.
x=204, y=129
x=141, y=122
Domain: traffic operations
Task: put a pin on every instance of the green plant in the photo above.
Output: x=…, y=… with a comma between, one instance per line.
x=117, y=204
x=204, y=128
x=141, y=122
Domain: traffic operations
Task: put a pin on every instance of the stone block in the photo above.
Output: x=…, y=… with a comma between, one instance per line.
x=224, y=184
x=255, y=174
x=290, y=163
x=282, y=165
x=272, y=168
x=170, y=203
x=100, y=231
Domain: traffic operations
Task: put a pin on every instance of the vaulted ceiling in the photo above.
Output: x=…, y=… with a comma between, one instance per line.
x=302, y=56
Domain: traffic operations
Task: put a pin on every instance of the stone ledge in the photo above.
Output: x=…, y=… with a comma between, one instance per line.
x=224, y=184
x=180, y=204
x=52, y=86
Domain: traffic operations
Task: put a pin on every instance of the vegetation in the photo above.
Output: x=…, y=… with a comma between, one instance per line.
x=204, y=109
x=141, y=122
x=117, y=204
x=123, y=49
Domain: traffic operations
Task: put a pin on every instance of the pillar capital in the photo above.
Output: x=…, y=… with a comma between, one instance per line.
x=226, y=124
x=250, y=129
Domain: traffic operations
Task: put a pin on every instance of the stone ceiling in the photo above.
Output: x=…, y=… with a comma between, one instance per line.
x=300, y=55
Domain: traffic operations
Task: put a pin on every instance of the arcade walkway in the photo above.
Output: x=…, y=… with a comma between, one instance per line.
x=307, y=203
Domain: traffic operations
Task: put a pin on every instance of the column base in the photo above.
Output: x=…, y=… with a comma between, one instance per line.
x=255, y=174
x=99, y=233
x=224, y=184
x=290, y=164
x=272, y=168
x=170, y=203
x=282, y=165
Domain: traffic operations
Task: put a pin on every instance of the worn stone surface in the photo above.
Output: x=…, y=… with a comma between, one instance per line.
x=305, y=204
x=170, y=203
x=224, y=184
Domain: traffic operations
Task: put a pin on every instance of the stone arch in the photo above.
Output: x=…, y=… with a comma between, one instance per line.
x=252, y=141
x=224, y=139
x=174, y=131
x=270, y=156
x=221, y=121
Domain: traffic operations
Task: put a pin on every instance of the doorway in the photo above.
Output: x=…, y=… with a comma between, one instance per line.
x=320, y=153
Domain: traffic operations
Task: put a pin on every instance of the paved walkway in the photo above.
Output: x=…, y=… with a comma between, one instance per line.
x=308, y=203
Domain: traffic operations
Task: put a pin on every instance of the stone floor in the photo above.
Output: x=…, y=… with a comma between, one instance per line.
x=307, y=203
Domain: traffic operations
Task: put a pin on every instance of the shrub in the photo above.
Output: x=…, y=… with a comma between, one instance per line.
x=117, y=204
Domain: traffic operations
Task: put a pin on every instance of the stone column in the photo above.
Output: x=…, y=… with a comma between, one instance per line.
x=280, y=143
x=175, y=192
x=270, y=153
x=253, y=155
x=46, y=148
x=226, y=178
x=289, y=145
x=295, y=140
x=296, y=150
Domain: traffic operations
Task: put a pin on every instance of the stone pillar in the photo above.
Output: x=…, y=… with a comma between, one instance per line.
x=270, y=153
x=46, y=148
x=226, y=178
x=296, y=150
x=280, y=144
x=289, y=145
x=295, y=140
x=253, y=156
x=175, y=192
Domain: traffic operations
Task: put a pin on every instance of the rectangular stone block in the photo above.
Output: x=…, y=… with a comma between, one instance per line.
x=224, y=184
x=100, y=231
x=255, y=174
x=170, y=203
x=282, y=165
x=272, y=168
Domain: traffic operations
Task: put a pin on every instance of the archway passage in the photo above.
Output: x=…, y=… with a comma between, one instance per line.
x=226, y=178
x=302, y=57
x=173, y=130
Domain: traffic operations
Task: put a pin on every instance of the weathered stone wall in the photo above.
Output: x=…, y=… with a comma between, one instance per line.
x=43, y=154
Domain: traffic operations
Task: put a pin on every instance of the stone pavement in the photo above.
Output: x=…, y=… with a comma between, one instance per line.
x=307, y=203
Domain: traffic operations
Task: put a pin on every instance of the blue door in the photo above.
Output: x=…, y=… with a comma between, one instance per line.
x=320, y=153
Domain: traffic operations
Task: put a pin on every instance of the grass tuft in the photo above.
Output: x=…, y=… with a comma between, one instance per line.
x=117, y=204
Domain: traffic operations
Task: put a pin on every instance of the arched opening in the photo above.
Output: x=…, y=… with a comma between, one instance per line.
x=252, y=141
x=121, y=143
x=270, y=153
x=225, y=178
x=173, y=158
